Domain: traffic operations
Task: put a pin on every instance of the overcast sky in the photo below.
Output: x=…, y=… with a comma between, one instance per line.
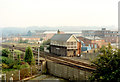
x=24, y=13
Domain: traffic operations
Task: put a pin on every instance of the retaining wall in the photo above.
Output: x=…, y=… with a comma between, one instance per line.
x=66, y=71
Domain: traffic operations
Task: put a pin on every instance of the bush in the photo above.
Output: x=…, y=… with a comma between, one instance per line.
x=9, y=61
x=25, y=73
x=16, y=66
x=4, y=66
x=26, y=65
x=5, y=52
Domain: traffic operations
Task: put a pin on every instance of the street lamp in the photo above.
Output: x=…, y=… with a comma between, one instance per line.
x=13, y=51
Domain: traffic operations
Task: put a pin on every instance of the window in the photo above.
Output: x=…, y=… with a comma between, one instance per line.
x=74, y=43
x=71, y=43
x=74, y=46
x=68, y=43
x=71, y=46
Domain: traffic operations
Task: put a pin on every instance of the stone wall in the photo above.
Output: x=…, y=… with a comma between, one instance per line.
x=66, y=72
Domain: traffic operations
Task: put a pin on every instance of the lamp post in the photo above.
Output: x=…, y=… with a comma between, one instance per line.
x=13, y=51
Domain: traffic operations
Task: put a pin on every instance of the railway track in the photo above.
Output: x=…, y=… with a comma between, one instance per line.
x=57, y=59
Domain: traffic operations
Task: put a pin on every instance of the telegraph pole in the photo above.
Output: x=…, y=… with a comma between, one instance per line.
x=13, y=51
x=94, y=43
x=38, y=52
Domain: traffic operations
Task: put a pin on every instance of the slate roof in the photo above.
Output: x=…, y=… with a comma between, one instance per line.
x=92, y=38
x=61, y=37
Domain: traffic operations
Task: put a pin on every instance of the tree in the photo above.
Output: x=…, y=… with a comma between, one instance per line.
x=41, y=48
x=46, y=42
x=48, y=48
x=107, y=65
x=5, y=52
x=23, y=41
x=29, y=56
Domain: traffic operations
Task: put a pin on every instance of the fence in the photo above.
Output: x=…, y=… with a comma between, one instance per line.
x=23, y=73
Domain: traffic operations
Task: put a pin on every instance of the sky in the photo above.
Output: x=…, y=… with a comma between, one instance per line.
x=24, y=13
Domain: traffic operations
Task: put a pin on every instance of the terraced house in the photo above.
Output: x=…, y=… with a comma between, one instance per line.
x=65, y=45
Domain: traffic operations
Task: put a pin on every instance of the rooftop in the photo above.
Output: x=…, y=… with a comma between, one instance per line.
x=61, y=37
x=91, y=38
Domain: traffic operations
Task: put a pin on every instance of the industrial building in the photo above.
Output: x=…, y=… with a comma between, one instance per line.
x=107, y=35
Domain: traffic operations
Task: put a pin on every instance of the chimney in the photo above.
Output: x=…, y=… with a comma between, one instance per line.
x=58, y=32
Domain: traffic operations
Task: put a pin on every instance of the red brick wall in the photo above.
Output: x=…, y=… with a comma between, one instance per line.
x=86, y=41
x=79, y=47
x=98, y=42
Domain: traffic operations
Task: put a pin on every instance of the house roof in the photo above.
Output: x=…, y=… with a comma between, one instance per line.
x=61, y=37
x=91, y=38
x=30, y=36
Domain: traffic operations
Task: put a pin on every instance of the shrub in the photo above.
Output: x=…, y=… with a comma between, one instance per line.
x=9, y=61
x=5, y=52
x=4, y=66
x=16, y=66
x=26, y=65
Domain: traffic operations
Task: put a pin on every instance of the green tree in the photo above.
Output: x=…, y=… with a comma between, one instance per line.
x=5, y=52
x=107, y=65
x=8, y=61
x=48, y=48
x=29, y=56
x=46, y=42
x=41, y=48
x=23, y=41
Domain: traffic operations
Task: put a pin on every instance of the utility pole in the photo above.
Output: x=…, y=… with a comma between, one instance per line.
x=13, y=51
x=19, y=74
x=94, y=43
x=38, y=52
